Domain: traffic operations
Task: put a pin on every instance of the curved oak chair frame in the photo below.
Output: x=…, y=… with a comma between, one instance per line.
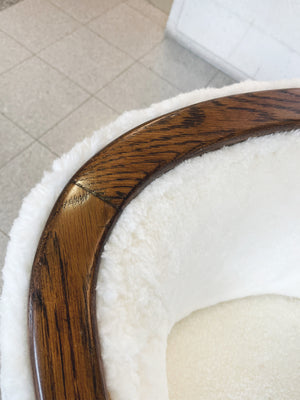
x=64, y=344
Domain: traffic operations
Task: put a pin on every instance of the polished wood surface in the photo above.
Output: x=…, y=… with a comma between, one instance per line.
x=65, y=351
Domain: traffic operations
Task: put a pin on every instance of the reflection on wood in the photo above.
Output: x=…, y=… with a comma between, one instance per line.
x=65, y=352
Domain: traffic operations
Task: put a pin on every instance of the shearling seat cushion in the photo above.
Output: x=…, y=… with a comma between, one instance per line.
x=216, y=228
x=244, y=349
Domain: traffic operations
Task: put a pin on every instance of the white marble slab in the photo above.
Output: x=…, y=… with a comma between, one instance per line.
x=258, y=39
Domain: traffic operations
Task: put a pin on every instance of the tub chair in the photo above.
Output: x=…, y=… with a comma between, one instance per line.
x=197, y=203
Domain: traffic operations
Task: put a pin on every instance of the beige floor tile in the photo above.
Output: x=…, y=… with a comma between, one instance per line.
x=220, y=80
x=13, y=140
x=36, y=23
x=128, y=30
x=36, y=96
x=85, y=10
x=136, y=88
x=163, y=5
x=12, y=53
x=10, y=201
x=149, y=11
x=87, y=59
x=179, y=66
x=80, y=124
x=18, y=177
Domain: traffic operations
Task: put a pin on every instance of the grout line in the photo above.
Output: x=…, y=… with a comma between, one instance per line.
x=252, y=23
x=84, y=89
x=113, y=44
x=90, y=20
x=135, y=61
x=63, y=11
x=16, y=40
x=232, y=11
x=34, y=53
x=65, y=117
x=25, y=149
x=4, y=233
x=18, y=126
x=18, y=64
x=117, y=76
x=58, y=40
x=50, y=44
x=105, y=104
x=185, y=49
x=37, y=54
x=153, y=48
x=110, y=43
x=158, y=75
x=64, y=74
x=17, y=154
x=145, y=15
x=90, y=95
x=141, y=105
x=261, y=29
x=70, y=113
x=48, y=148
x=105, y=12
x=239, y=41
x=162, y=77
x=213, y=78
x=226, y=75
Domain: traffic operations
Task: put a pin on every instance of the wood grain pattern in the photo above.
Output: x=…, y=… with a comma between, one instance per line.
x=65, y=352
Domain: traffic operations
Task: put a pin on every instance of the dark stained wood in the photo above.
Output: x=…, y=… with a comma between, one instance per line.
x=60, y=317
x=65, y=352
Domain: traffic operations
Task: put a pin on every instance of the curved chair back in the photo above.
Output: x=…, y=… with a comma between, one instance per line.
x=65, y=349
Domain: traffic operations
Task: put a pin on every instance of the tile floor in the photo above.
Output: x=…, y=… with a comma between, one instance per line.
x=7, y=3
x=69, y=67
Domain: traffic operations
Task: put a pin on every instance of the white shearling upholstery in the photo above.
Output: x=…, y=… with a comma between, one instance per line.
x=150, y=277
x=216, y=228
x=245, y=349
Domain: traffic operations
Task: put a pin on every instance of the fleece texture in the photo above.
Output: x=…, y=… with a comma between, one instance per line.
x=219, y=227
x=244, y=349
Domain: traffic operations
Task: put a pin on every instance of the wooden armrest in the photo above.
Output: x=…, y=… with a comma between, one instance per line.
x=64, y=344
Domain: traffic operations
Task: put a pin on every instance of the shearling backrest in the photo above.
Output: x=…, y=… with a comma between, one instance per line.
x=216, y=228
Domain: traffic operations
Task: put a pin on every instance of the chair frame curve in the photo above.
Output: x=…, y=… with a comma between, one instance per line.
x=64, y=344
